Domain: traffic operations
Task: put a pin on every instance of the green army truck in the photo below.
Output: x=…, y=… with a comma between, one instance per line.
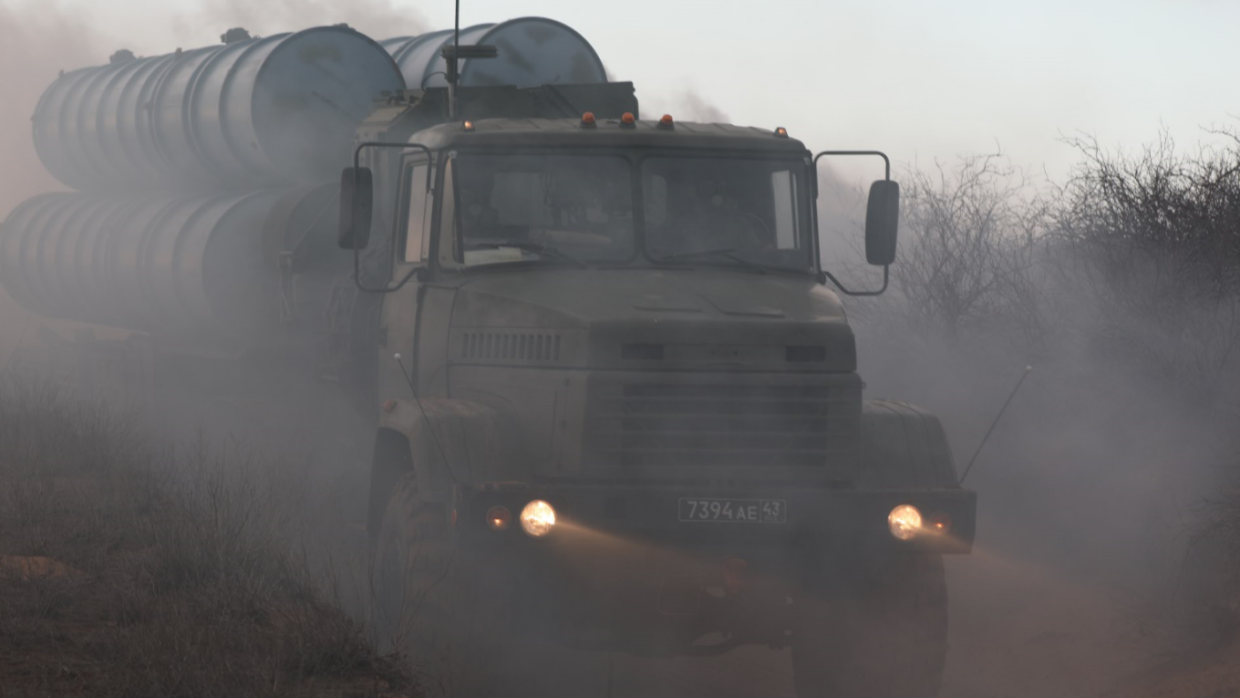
x=619, y=405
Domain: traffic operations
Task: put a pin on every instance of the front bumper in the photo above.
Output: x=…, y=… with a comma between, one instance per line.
x=818, y=518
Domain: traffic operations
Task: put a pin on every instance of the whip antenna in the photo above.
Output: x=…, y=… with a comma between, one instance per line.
x=453, y=55
x=453, y=66
x=995, y=423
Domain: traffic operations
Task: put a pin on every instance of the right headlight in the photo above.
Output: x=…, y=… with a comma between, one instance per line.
x=904, y=521
x=538, y=518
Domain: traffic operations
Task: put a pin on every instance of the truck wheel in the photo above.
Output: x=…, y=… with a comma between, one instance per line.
x=391, y=461
x=442, y=608
x=880, y=633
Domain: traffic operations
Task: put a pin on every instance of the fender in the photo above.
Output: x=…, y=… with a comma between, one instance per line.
x=903, y=446
x=449, y=442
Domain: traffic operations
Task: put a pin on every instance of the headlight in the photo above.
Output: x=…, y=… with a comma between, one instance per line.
x=904, y=521
x=538, y=518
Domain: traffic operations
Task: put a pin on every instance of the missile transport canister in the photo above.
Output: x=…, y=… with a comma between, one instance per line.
x=532, y=51
x=187, y=266
x=203, y=171
x=261, y=112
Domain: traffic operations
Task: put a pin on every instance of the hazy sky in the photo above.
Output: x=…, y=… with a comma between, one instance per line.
x=919, y=79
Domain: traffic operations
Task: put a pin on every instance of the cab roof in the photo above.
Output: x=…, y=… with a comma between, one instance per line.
x=607, y=133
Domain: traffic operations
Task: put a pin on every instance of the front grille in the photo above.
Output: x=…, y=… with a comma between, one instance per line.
x=716, y=423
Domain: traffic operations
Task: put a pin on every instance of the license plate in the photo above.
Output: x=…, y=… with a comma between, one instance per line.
x=716, y=510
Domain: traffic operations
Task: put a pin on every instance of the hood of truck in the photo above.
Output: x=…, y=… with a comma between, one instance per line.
x=696, y=319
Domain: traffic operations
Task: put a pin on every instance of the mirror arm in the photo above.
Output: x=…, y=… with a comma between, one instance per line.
x=887, y=177
x=879, y=292
x=879, y=153
x=357, y=253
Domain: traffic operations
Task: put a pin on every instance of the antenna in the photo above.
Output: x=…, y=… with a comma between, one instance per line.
x=993, y=424
x=453, y=54
x=453, y=75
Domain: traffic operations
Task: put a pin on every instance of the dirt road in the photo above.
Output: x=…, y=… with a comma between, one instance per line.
x=1017, y=631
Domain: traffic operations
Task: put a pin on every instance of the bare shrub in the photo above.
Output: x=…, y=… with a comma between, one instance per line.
x=1123, y=286
x=972, y=232
x=1155, y=238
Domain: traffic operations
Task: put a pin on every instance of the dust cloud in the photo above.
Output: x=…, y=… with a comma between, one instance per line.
x=1087, y=486
x=38, y=42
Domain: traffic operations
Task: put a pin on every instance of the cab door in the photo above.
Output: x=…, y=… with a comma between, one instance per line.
x=400, y=315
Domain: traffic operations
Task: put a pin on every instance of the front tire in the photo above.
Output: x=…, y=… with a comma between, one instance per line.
x=878, y=630
x=445, y=609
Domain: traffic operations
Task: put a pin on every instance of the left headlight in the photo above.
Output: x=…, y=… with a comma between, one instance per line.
x=904, y=521
x=538, y=518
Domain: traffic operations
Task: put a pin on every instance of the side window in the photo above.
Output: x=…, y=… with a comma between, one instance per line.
x=418, y=222
x=784, y=195
x=448, y=253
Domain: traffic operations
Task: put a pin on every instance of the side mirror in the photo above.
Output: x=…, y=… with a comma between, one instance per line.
x=882, y=218
x=356, y=206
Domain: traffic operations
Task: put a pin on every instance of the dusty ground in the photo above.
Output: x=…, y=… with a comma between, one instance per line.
x=1023, y=624
x=119, y=580
x=1042, y=608
x=1017, y=631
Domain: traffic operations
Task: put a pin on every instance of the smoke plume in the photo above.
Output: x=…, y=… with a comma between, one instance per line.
x=378, y=19
x=36, y=42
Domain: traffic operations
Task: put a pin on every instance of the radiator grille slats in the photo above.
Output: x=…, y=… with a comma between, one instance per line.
x=694, y=423
x=511, y=346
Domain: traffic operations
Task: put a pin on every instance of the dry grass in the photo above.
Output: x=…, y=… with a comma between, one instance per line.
x=166, y=574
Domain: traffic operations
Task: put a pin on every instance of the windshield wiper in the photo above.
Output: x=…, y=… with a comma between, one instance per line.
x=725, y=252
x=528, y=246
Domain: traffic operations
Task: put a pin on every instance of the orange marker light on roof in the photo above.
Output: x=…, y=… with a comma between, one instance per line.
x=469, y=125
x=666, y=121
x=781, y=132
x=628, y=119
x=587, y=119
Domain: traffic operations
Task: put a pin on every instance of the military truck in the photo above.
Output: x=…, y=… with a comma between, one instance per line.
x=616, y=402
x=620, y=406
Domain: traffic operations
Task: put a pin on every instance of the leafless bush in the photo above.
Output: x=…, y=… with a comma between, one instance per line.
x=1155, y=239
x=1136, y=257
x=972, y=235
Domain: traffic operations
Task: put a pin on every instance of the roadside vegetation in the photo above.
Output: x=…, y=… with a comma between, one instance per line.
x=131, y=571
x=1121, y=286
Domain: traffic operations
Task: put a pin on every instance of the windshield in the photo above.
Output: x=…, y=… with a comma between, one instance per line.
x=579, y=209
x=517, y=207
x=726, y=210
